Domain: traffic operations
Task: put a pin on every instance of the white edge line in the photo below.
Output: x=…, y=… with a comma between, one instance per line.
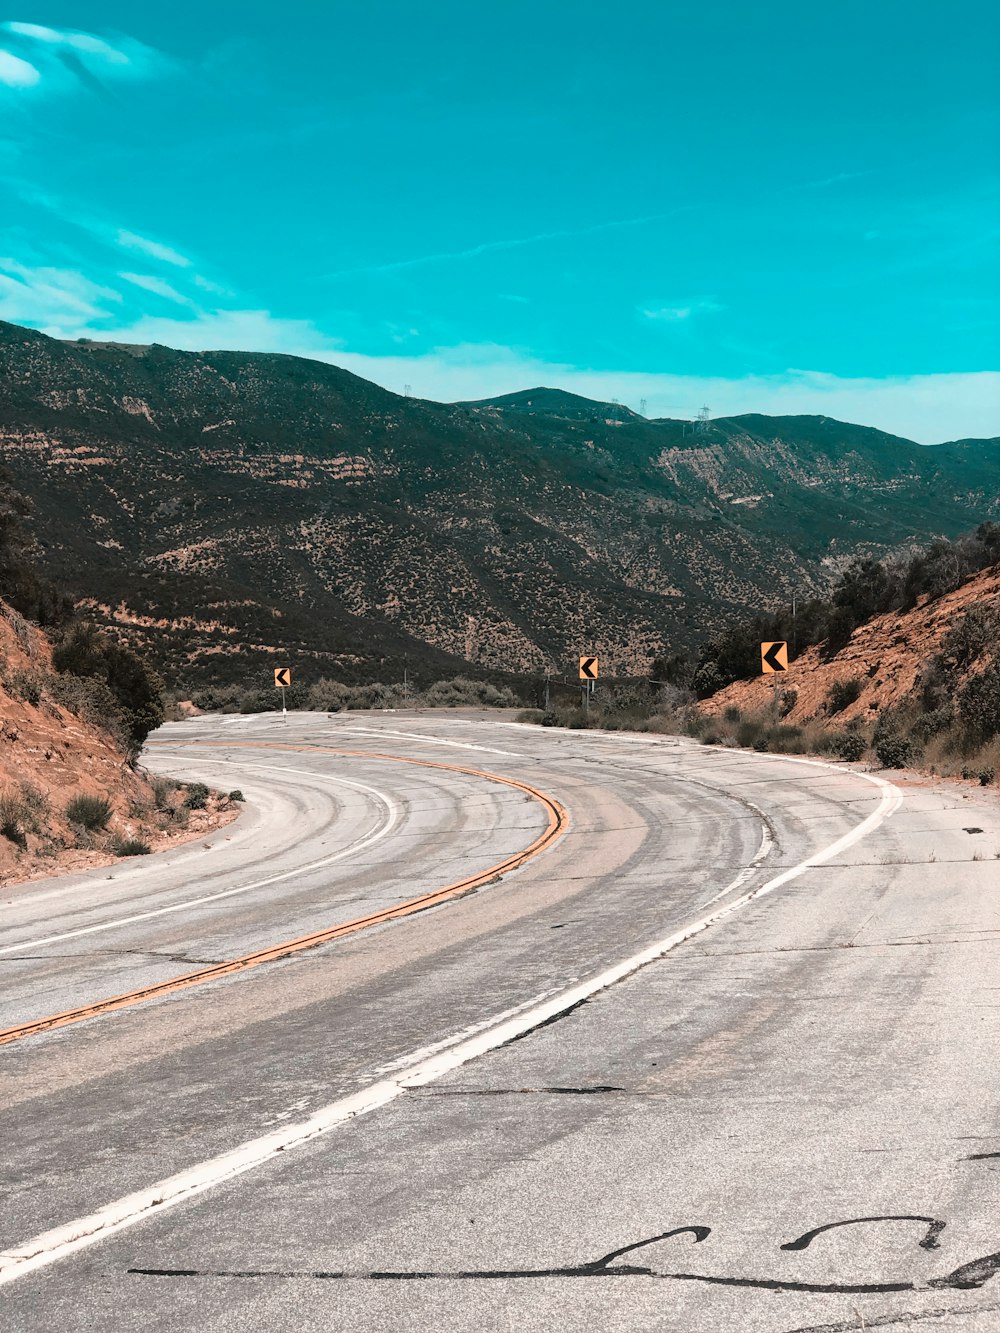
x=388, y=824
x=61, y=1242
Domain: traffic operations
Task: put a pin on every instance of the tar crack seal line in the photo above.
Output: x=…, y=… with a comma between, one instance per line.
x=966, y=1277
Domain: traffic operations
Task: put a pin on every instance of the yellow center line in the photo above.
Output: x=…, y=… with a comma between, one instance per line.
x=557, y=823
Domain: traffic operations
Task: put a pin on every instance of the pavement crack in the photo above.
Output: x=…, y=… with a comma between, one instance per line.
x=858, y=1322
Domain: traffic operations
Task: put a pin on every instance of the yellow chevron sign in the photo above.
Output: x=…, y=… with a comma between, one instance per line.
x=773, y=657
x=282, y=677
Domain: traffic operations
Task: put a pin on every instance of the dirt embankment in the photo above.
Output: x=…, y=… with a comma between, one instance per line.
x=51, y=755
x=885, y=657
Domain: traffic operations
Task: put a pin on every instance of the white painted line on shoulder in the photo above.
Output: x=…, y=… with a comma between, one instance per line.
x=388, y=823
x=61, y=1242
x=353, y=729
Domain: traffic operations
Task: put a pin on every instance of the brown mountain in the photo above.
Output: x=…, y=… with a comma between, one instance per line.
x=235, y=510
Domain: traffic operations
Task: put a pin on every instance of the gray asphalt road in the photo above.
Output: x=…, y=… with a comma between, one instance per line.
x=805, y=1092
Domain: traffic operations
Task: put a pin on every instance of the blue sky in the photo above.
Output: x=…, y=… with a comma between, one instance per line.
x=774, y=207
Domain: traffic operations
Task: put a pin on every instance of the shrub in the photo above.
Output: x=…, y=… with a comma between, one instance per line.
x=972, y=637
x=749, y=732
x=328, y=696
x=787, y=699
x=979, y=705
x=460, y=691
x=12, y=819
x=26, y=685
x=236, y=795
x=130, y=847
x=136, y=689
x=35, y=806
x=197, y=796
x=932, y=723
x=90, y=812
x=850, y=745
x=843, y=693
x=785, y=740
x=732, y=713
x=986, y=775
x=163, y=789
x=895, y=751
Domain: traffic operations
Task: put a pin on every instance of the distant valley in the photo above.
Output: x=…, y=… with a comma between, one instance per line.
x=231, y=509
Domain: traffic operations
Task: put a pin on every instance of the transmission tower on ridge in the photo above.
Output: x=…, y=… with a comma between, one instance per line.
x=642, y=407
x=704, y=418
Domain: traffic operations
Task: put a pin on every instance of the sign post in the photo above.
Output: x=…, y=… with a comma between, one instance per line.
x=774, y=659
x=282, y=679
x=588, y=674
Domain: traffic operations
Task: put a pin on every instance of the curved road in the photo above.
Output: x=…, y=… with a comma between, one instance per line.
x=720, y=1055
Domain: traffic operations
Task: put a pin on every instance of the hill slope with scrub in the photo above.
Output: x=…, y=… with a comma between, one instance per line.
x=70, y=793
x=234, y=510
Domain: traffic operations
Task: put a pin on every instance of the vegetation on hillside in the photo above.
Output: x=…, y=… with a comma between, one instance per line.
x=867, y=588
x=223, y=507
x=949, y=723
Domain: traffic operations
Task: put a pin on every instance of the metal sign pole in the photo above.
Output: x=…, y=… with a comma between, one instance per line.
x=284, y=710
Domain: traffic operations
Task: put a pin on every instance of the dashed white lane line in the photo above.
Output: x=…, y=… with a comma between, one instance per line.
x=420, y=1069
x=389, y=822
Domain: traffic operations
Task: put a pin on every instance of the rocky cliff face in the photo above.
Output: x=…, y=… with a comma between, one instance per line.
x=238, y=509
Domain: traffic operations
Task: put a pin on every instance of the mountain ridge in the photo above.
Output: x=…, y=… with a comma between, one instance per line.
x=228, y=507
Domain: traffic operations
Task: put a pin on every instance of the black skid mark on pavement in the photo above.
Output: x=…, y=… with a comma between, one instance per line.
x=975, y=1274
x=595, y=1268
x=929, y=1242
x=979, y=1156
x=966, y=1277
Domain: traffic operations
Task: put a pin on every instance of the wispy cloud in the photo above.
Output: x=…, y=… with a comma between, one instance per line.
x=567, y=233
x=158, y=287
x=927, y=408
x=17, y=73
x=59, y=60
x=52, y=298
x=155, y=249
x=681, y=311
x=514, y=243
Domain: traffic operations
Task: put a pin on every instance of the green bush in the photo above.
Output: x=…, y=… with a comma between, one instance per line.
x=850, y=745
x=197, y=796
x=932, y=723
x=35, y=806
x=12, y=819
x=136, y=690
x=236, y=795
x=130, y=847
x=979, y=705
x=90, y=812
x=26, y=685
x=986, y=775
x=460, y=691
x=895, y=751
x=163, y=789
x=843, y=693
x=786, y=740
x=749, y=732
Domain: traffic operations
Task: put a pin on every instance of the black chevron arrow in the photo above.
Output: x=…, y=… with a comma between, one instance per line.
x=771, y=658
